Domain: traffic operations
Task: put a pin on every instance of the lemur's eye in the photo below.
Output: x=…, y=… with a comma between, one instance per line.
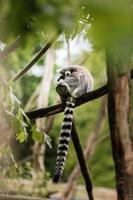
x=67, y=73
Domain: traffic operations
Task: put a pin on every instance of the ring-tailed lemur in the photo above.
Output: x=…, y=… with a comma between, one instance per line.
x=77, y=81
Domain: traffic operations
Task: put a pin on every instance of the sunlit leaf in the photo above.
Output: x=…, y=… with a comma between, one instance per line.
x=21, y=137
x=36, y=134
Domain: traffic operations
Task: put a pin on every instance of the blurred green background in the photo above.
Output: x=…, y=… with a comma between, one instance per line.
x=89, y=26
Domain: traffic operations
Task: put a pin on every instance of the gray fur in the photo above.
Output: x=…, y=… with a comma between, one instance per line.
x=79, y=82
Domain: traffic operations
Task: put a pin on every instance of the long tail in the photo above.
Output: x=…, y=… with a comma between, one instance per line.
x=64, y=140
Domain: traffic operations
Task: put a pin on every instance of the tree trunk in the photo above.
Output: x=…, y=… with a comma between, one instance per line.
x=43, y=99
x=119, y=121
x=131, y=111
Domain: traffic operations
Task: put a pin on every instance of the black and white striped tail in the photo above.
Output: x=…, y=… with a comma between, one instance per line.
x=64, y=140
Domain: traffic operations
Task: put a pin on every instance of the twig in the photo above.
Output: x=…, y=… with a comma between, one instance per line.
x=82, y=162
x=35, y=59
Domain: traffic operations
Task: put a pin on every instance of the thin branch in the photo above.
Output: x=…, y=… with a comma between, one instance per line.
x=35, y=59
x=54, y=109
x=82, y=162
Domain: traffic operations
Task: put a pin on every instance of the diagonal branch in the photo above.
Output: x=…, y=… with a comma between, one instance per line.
x=82, y=162
x=35, y=59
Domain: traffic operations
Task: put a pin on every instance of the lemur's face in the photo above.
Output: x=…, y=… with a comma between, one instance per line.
x=67, y=76
x=76, y=80
x=63, y=76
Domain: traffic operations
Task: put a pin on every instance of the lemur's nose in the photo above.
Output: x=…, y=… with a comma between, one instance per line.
x=60, y=82
x=60, y=78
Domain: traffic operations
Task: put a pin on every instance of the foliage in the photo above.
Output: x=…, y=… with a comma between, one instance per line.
x=19, y=120
x=111, y=21
x=96, y=63
x=11, y=106
x=106, y=24
x=41, y=16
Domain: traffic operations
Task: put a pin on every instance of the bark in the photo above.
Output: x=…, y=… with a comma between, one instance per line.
x=43, y=99
x=119, y=118
x=131, y=111
x=88, y=151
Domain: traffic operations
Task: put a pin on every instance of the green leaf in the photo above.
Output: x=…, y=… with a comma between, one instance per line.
x=22, y=136
x=37, y=135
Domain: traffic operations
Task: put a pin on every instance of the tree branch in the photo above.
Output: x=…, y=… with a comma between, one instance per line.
x=35, y=59
x=54, y=109
x=51, y=110
x=82, y=162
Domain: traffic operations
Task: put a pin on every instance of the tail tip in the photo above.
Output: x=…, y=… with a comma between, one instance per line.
x=56, y=178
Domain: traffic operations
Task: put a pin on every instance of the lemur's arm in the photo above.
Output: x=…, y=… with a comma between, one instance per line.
x=63, y=92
